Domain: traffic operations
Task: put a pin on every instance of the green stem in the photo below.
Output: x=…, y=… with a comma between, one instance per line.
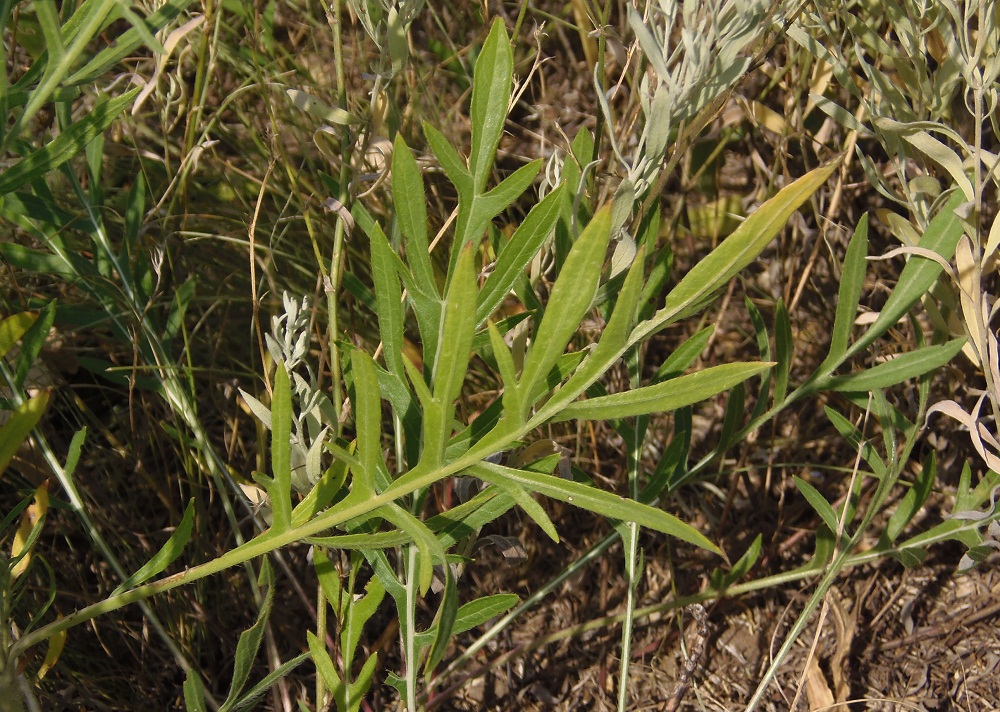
x=333, y=284
x=321, y=635
x=630, y=534
x=408, y=630
x=602, y=45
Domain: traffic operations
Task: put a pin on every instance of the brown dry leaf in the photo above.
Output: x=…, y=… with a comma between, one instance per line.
x=846, y=626
x=817, y=690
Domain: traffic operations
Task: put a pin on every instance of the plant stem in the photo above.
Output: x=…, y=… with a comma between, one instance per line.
x=333, y=283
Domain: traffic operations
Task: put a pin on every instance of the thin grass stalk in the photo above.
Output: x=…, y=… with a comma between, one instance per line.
x=203, y=70
x=321, y=634
x=633, y=569
x=333, y=284
x=602, y=47
x=632, y=573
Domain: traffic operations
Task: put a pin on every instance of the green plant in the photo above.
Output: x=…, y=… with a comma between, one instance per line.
x=358, y=491
x=354, y=464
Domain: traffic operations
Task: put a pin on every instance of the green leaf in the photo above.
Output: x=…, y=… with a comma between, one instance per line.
x=250, y=639
x=523, y=245
x=388, y=297
x=411, y=212
x=194, y=692
x=920, y=273
x=135, y=213
x=324, y=664
x=17, y=429
x=178, y=308
x=742, y=567
x=444, y=621
x=490, y=97
x=419, y=385
x=359, y=613
x=48, y=21
x=818, y=503
x=568, y=303
x=597, y=501
x=167, y=554
x=734, y=416
x=39, y=215
x=322, y=494
x=615, y=334
x=368, y=423
x=933, y=148
x=784, y=351
x=490, y=204
x=451, y=162
x=428, y=547
x=684, y=355
x=328, y=578
x=280, y=487
x=852, y=280
x=359, y=688
x=735, y=252
x=65, y=265
x=663, y=397
x=427, y=307
x=656, y=282
x=69, y=143
x=721, y=580
x=363, y=542
x=672, y=459
x=764, y=345
x=839, y=114
x=530, y=507
x=460, y=522
x=854, y=438
x=311, y=105
x=505, y=363
x=452, y=358
x=13, y=328
x=250, y=700
x=478, y=612
x=901, y=368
